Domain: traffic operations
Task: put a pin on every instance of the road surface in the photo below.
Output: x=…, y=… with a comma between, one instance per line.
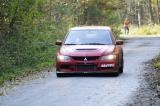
x=91, y=90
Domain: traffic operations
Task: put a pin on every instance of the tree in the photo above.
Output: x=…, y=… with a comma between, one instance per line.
x=142, y=11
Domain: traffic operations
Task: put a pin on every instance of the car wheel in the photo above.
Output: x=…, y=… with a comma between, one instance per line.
x=121, y=68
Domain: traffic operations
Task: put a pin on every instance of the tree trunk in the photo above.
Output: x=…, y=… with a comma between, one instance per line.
x=139, y=15
x=158, y=12
x=150, y=11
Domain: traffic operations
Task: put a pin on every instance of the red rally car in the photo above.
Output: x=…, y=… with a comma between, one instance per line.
x=89, y=49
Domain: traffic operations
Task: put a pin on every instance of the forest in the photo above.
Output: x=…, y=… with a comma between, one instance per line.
x=29, y=28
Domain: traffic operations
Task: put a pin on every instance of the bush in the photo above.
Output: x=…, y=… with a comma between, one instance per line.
x=157, y=63
x=24, y=53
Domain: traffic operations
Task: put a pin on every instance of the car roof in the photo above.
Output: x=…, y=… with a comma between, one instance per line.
x=91, y=27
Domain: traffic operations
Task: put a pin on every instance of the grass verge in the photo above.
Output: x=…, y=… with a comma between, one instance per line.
x=18, y=73
x=145, y=30
x=156, y=65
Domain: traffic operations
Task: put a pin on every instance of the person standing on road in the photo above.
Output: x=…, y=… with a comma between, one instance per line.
x=126, y=26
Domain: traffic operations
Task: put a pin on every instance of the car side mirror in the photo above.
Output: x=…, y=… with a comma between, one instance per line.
x=59, y=42
x=119, y=42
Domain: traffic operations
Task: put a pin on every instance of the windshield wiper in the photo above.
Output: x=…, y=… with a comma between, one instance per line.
x=94, y=44
x=70, y=44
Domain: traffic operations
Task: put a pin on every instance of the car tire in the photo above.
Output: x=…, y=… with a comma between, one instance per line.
x=122, y=64
x=121, y=68
x=60, y=75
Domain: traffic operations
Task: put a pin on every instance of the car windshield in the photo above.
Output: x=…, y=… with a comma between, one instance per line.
x=88, y=37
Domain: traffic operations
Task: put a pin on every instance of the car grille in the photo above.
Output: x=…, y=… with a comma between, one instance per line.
x=86, y=58
x=89, y=67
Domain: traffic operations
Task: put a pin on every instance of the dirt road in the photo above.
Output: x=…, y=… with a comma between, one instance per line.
x=89, y=91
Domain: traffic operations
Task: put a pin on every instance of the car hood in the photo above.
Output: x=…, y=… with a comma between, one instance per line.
x=86, y=50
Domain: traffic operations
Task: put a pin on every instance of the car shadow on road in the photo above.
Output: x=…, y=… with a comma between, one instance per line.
x=91, y=75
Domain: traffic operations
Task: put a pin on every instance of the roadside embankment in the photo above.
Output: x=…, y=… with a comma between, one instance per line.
x=149, y=92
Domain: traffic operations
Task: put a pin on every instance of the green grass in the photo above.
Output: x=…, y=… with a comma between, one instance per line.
x=145, y=30
x=156, y=63
x=17, y=73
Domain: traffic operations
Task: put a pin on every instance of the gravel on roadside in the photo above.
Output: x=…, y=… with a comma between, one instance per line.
x=148, y=93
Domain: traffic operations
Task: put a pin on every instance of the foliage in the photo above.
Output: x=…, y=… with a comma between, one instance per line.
x=146, y=30
x=142, y=12
x=157, y=63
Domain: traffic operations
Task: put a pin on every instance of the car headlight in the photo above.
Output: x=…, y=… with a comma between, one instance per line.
x=63, y=58
x=109, y=57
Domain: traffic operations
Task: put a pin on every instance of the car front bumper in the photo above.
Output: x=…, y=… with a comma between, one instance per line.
x=89, y=67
